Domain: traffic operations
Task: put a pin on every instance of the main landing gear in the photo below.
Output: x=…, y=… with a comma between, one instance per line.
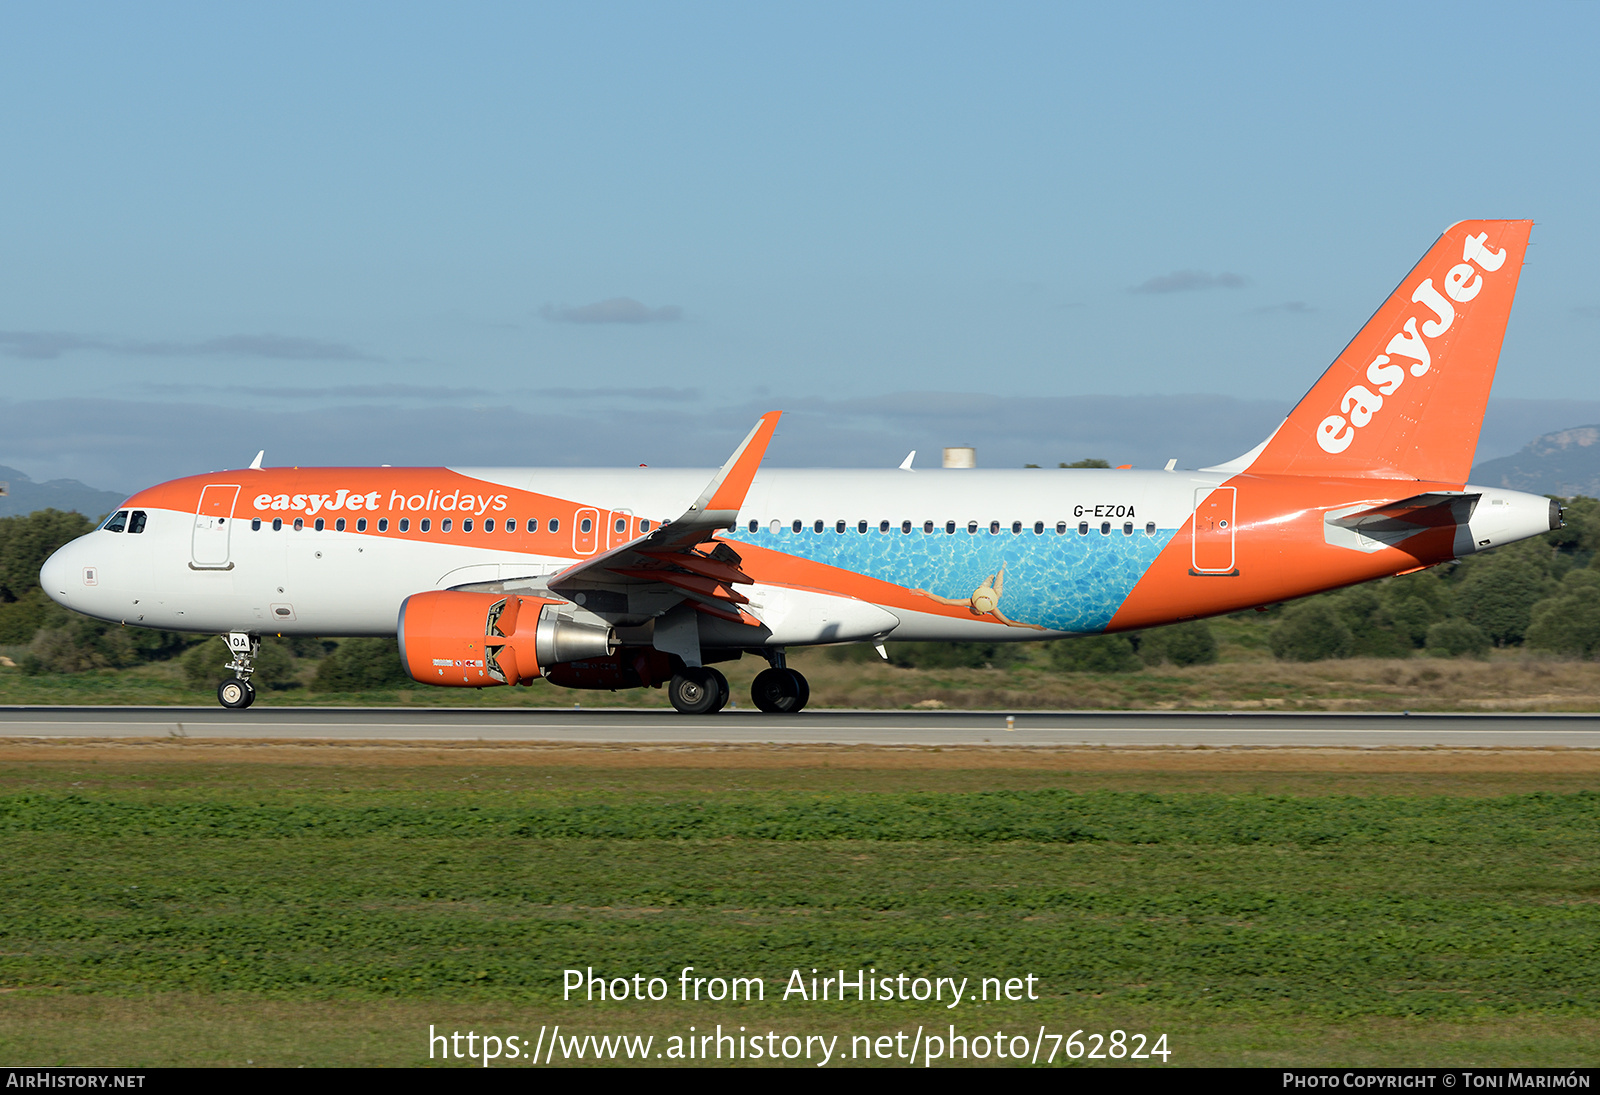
x=702, y=690
x=780, y=691
x=236, y=692
x=698, y=690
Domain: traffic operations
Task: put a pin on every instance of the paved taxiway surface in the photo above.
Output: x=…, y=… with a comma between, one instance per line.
x=618, y=726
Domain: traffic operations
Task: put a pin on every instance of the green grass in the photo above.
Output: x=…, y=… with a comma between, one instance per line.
x=362, y=902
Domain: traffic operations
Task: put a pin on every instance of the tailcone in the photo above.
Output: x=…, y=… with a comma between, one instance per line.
x=1504, y=517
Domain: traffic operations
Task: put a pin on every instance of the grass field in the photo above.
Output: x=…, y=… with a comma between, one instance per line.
x=1247, y=679
x=209, y=903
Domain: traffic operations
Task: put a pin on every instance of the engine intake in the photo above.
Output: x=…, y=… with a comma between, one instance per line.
x=471, y=640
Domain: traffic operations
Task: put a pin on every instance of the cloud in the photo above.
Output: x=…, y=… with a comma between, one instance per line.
x=654, y=395
x=1290, y=307
x=49, y=345
x=430, y=393
x=127, y=444
x=338, y=391
x=615, y=310
x=1184, y=281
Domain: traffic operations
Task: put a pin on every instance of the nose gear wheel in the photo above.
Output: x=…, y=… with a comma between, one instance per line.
x=235, y=694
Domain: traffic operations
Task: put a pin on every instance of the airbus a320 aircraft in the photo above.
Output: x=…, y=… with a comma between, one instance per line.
x=644, y=577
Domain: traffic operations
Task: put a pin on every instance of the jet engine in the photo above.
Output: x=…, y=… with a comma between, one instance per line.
x=470, y=640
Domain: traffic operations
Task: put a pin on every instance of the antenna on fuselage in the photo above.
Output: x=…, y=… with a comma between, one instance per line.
x=256, y=463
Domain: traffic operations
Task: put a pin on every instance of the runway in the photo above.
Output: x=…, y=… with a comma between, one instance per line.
x=942, y=728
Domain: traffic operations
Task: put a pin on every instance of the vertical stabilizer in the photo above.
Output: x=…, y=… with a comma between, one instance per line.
x=1406, y=397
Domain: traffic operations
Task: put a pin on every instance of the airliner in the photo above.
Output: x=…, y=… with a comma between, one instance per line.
x=649, y=577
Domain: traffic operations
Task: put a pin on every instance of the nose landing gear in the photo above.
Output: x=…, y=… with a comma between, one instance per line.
x=237, y=693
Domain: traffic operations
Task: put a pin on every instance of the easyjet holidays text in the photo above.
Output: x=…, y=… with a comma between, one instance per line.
x=349, y=500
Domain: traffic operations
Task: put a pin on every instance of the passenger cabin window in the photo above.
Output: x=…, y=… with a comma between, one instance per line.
x=883, y=526
x=255, y=524
x=1083, y=528
x=1105, y=528
x=405, y=524
x=797, y=526
x=1127, y=528
x=644, y=526
x=861, y=526
x=1061, y=528
x=466, y=526
x=488, y=524
x=511, y=524
x=277, y=524
x=927, y=526
x=838, y=526
x=320, y=524
x=972, y=526
x=754, y=524
x=949, y=528
x=361, y=524
x=994, y=528
x=383, y=524
x=117, y=522
x=1038, y=528
x=905, y=527
x=555, y=525
x=425, y=525
x=444, y=526
x=586, y=525
x=777, y=526
x=621, y=525
x=338, y=526
x=299, y=524
x=1150, y=528
x=136, y=521
x=1016, y=526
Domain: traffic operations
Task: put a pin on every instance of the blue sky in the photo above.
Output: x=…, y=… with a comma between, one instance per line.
x=607, y=233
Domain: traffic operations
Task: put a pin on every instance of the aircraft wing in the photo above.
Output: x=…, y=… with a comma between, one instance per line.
x=650, y=576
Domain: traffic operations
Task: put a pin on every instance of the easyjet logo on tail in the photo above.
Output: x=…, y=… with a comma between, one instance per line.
x=1462, y=283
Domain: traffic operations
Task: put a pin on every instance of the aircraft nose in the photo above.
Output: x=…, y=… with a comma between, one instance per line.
x=56, y=576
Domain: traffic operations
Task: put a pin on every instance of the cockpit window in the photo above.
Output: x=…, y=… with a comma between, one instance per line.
x=136, y=521
x=117, y=522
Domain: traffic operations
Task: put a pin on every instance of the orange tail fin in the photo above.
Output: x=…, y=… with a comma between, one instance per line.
x=1406, y=397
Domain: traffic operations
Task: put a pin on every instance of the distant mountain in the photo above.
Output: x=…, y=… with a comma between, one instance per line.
x=1566, y=462
x=23, y=495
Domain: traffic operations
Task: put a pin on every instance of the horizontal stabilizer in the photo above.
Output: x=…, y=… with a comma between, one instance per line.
x=1438, y=509
x=1370, y=528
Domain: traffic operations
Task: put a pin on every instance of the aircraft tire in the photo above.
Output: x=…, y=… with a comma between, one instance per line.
x=805, y=689
x=693, y=691
x=235, y=694
x=779, y=691
x=724, y=691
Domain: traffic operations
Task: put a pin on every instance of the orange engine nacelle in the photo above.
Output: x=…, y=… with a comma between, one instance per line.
x=470, y=640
